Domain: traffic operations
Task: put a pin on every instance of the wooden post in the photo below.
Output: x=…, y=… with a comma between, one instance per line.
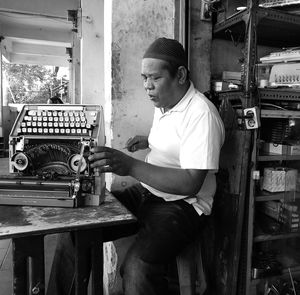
x=88, y=257
x=28, y=258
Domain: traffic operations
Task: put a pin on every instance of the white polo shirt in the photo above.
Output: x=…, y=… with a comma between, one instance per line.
x=188, y=136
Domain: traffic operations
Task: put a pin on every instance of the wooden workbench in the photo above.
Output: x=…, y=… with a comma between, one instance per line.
x=27, y=226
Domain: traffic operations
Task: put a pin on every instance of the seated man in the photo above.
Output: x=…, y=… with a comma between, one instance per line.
x=176, y=181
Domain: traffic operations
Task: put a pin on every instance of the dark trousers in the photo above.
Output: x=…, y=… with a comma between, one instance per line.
x=163, y=230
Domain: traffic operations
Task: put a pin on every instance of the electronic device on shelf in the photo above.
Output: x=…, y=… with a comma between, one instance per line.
x=48, y=149
x=290, y=54
x=278, y=75
x=285, y=74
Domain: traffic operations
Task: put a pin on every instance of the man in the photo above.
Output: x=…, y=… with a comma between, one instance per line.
x=177, y=179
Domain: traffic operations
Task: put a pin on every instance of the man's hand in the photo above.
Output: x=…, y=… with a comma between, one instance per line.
x=110, y=160
x=137, y=143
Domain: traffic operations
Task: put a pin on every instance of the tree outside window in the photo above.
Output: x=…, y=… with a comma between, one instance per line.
x=33, y=84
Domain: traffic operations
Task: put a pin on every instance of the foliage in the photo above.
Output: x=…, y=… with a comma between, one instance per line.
x=30, y=83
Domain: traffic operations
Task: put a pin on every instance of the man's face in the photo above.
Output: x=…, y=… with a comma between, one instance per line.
x=159, y=85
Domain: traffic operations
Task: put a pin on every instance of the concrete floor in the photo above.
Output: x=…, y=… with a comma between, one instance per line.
x=6, y=254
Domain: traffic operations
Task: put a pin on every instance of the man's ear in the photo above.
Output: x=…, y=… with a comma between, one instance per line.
x=182, y=74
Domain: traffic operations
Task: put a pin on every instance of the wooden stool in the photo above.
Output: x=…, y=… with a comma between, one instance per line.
x=190, y=270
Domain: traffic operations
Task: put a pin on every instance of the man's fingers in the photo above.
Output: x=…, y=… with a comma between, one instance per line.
x=100, y=155
x=101, y=163
x=105, y=169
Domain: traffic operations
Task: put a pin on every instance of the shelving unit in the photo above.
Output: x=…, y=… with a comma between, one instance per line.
x=257, y=26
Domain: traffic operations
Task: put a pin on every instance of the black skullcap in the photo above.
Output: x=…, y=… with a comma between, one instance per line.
x=168, y=50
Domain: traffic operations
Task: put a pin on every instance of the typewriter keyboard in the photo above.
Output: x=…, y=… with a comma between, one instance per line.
x=52, y=122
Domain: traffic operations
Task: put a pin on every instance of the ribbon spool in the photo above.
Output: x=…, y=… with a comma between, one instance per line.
x=20, y=161
x=74, y=162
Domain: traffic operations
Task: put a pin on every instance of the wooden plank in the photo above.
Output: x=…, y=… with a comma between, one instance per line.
x=229, y=205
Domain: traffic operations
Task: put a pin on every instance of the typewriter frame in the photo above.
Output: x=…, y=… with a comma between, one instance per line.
x=37, y=180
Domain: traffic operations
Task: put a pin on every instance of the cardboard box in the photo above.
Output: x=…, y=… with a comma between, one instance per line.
x=281, y=149
x=274, y=148
x=280, y=179
x=293, y=150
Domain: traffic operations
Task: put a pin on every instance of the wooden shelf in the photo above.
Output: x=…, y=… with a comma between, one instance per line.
x=266, y=196
x=276, y=157
x=269, y=237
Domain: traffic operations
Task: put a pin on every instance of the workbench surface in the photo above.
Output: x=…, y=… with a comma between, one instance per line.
x=18, y=221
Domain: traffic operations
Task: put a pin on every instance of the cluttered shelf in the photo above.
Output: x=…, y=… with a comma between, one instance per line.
x=275, y=95
x=286, y=33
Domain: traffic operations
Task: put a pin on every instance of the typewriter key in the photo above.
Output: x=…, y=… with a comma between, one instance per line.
x=31, y=113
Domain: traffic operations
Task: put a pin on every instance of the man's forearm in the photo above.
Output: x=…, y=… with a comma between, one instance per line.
x=169, y=180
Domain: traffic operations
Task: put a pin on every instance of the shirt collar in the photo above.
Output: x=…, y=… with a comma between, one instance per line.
x=183, y=103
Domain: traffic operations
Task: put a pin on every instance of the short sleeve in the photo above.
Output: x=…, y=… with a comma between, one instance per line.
x=201, y=141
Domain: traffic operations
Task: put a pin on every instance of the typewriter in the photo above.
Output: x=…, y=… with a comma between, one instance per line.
x=49, y=145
